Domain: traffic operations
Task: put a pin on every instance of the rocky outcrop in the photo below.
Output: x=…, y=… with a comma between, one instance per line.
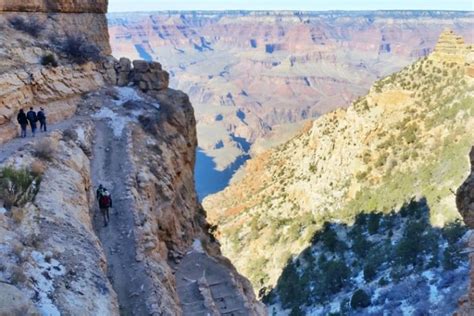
x=25, y=82
x=465, y=204
x=139, y=139
x=450, y=48
x=465, y=196
x=147, y=76
x=60, y=6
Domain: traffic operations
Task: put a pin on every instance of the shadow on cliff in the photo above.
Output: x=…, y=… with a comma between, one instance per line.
x=382, y=262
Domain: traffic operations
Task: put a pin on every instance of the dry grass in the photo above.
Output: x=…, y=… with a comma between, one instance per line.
x=45, y=149
x=18, y=252
x=17, y=275
x=37, y=168
x=18, y=214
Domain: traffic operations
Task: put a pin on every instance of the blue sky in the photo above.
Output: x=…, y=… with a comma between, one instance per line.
x=304, y=5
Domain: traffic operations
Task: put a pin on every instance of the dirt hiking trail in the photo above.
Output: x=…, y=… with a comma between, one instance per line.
x=110, y=168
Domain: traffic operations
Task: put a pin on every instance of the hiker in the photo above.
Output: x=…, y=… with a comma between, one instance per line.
x=32, y=118
x=23, y=121
x=42, y=120
x=105, y=203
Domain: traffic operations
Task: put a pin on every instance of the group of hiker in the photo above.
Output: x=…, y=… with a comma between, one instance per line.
x=31, y=118
x=105, y=203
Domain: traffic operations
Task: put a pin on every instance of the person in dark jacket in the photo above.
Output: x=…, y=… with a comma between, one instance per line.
x=105, y=203
x=23, y=121
x=32, y=118
x=42, y=120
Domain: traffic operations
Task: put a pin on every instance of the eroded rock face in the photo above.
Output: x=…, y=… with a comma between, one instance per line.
x=465, y=204
x=62, y=6
x=247, y=73
x=465, y=196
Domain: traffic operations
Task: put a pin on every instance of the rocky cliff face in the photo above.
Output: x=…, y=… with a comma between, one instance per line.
x=465, y=204
x=408, y=138
x=113, y=124
x=247, y=73
x=61, y=6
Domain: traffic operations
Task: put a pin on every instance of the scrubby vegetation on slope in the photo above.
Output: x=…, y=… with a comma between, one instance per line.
x=395, y=261
x=408, y=137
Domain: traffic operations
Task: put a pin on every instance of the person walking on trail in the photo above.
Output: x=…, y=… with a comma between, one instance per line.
x=42, y=120
x=105, y=203
x=32, y=118
x=23, y=121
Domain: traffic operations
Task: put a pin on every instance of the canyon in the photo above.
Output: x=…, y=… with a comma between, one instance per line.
x=357, y=199
x=299, y=212
x=255, y=78
x=111, y=122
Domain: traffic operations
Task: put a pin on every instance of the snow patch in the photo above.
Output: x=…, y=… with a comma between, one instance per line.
x=81, y=135
x=116, y=122
x=406, y=308
x=197, y=246
x=435, y=296
x=43, y=274
x=126, y=94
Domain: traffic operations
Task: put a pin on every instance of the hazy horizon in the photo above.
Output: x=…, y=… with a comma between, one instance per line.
x=116, y=6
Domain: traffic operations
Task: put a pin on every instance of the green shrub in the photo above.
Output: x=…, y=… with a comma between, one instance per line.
x=452, y=257
x=370, y=272
x=374, y=223
x=383, y=281
x=78, y=50
x=17, y=186
x=333, y=276
x=360, y=299
x=410, y=247
x=360, y=245
x=31, y=26
x=452, y=232
x=49, y=60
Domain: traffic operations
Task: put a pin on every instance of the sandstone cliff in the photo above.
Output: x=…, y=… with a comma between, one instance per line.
x=407, y=138
x=113, y=124
x=62, y=6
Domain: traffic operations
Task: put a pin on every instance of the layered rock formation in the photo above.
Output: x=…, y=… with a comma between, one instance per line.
x=62, y=6
x=139, y=140
x=248, y=72
x=408, y=138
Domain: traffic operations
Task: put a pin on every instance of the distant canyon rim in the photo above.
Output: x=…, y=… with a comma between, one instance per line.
x=254, y=78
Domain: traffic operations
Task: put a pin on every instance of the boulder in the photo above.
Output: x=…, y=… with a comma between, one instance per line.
x=14, y=302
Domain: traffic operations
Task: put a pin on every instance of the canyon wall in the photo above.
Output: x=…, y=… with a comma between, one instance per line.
x=465, y=204
x=61, y=6
x=114, y=123
x=249, y=72
x=26, y=83
x=408, y=138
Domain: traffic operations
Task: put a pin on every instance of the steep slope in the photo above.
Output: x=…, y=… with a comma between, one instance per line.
x=114, y=123
x=465, y=204
x=407, y=138
x=248, y=72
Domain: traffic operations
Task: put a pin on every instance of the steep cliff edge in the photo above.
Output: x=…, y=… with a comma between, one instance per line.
x=465, y=204
x=62, y=6
x=139, y=140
